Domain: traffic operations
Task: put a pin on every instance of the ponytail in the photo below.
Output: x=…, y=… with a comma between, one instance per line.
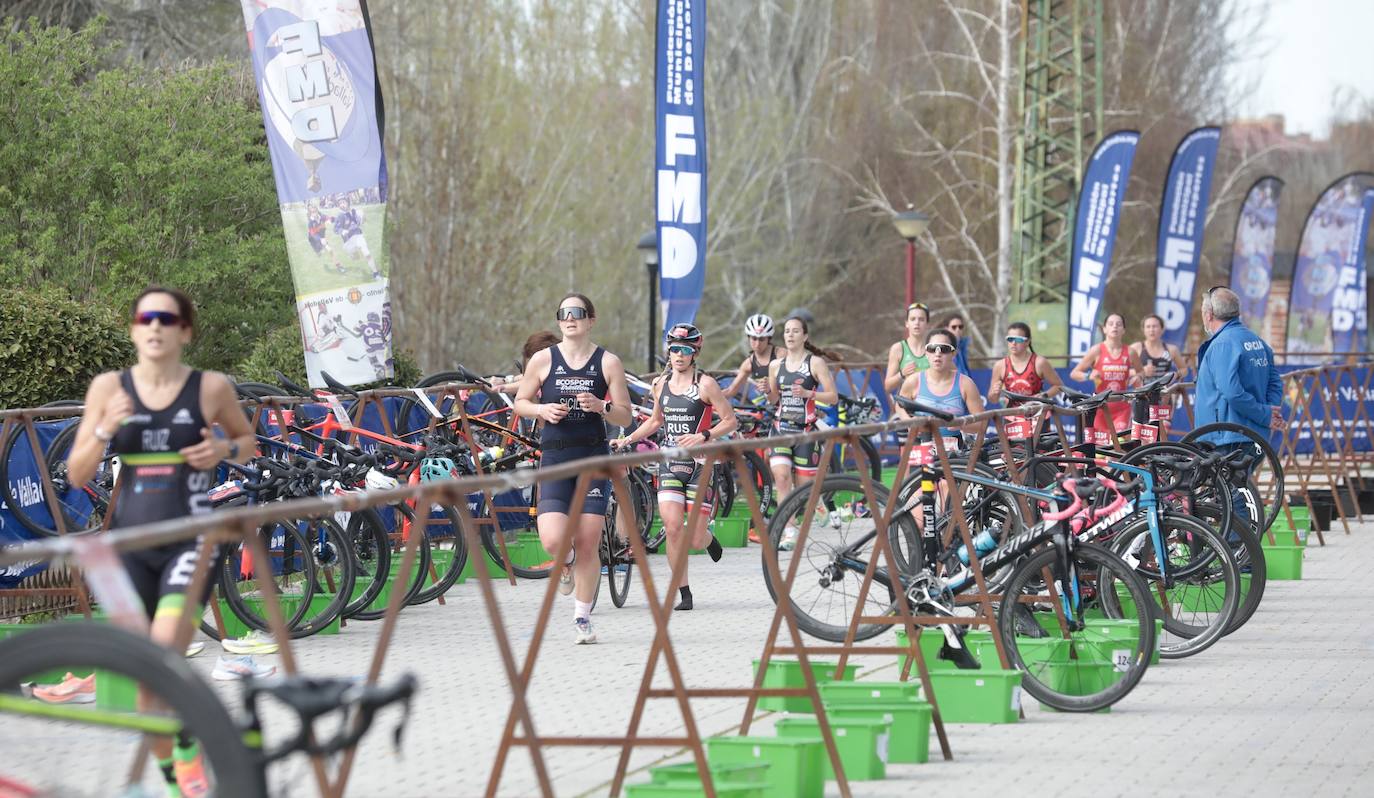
x=823, y=353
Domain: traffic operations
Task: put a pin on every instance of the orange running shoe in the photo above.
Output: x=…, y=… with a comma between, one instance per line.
x=70, y=691
x=191, y=779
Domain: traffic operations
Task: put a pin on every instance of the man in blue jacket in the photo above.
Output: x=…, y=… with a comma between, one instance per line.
x=1237, y=380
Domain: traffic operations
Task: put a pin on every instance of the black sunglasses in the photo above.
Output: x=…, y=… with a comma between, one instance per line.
x=572, y=313
x=164, y=317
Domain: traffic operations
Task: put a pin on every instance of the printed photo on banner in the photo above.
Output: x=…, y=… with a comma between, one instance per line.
x=1327, y=259
x=1252, y=258
x=335, y=241
x=347, y=333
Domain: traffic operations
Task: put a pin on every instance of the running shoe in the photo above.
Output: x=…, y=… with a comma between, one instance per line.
x=230, y=669
x=255, y=642
x=195, y=648
x=754, y=536
x=71, y=690
x=191, y=779
x=789, y=538
x=584, y=635
x=836, y=519
x=565, y=581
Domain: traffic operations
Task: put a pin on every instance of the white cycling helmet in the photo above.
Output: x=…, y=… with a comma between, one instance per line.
x=758, y=326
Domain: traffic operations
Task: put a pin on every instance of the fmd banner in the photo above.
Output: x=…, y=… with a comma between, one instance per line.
x=1182, y=217
x=1252, y=253
x=317, y=84
x=1099, y=211
x=1326, y=306
x=680, y=157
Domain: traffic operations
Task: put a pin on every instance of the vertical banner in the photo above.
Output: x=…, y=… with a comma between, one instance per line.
x=680, y=156
x=1327, y=301
x=1182, y=217
x=1252, y=253
x=1095, y=222
x=317, y=84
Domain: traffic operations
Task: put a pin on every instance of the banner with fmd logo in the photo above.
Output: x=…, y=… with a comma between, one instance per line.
x=1252, y=253
x=680, y=156
x=317, y=84
x=1182, y=217
x=1327, y=303
x=1099, y=211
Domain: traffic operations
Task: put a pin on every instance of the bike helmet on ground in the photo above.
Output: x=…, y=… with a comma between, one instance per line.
x=758, y=325
x=685, y=335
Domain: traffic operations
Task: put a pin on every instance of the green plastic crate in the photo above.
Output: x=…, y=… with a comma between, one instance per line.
x=788, y=673
x=1077, y=677
x=234, y=627
x=1125, y=631
x=693, y=789
x=741, y=773
x=909, y=738
x=983, y=696
x=854, y=692
x=733, y=533
x=54, y=676
x=794, y=764
x=933, y=639
x=115, y=693
x=1284, y=563
x=861, y=742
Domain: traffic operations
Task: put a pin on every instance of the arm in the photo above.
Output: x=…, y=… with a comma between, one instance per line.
x=649, y=427
x=974, y=402
x=1229, y=386
x=1083, y=371
x=774, y=394
x=711, y=392
x=1049, y=375
x=893, y=380
x=995, y=387
x=1136, y=349
x=221, y=405
x=106, y=408
x=525, y=406
x=741, y=379
x=616, y=409
x=827, y=392
x=1180, y=365
x=1137, y=367
x=910, y=386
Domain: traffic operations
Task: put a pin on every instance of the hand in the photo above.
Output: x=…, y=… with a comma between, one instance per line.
x=797, y=390
x=1276, y=422
x=206, y=454
x=553, y=412
x=908, y=369
x=1149, y=370
x=118, y=408
x=619, y=444
x=761, y=386
x=691, y=439
x=591, y=403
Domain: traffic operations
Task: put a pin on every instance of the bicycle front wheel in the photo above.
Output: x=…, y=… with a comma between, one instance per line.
x=1083, y=669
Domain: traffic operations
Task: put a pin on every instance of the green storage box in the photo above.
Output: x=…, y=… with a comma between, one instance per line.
x=788, y=673
x=855, y=692
x=1077, y=677
x=115, y=693
x=733, y=533
x=862, y=744
x=693, y=789
x=794, y=763
x=1284, y=562
x=1124, y=631
x=909, y=738
x=983, y=696
x=686, y=772
x=933, y=639
x=235, y=628
x=54, y=676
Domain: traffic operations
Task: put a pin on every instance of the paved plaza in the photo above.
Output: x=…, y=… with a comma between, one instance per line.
x=1284, y=705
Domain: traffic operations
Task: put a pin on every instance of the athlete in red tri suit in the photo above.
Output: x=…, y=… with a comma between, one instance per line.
x=1022, y=370
x=1112, y=366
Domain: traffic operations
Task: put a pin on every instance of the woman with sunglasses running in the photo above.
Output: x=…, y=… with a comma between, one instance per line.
x=1111, y=366
x=684, y=400
x=1022, y=370
x=942, y=385
x=904, y=358
x=1156, y=357
x=575, y=388
x=753, y=373
x=158, y=416
x=797, y=382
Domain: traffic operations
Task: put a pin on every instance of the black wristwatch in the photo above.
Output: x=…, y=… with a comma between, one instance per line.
x=706, y=433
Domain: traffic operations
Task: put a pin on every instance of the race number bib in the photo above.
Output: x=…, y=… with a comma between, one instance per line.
x=923, y=454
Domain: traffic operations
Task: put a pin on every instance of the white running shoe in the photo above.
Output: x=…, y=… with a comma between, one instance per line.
x=584, y=634
x=565, y=581
x=195, y=647
x=255, y=642
x=232, y=669
x=789, y=538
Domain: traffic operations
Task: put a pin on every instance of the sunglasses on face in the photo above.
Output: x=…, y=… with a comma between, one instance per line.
x=939, y=349
x=572, y=313
x=164, y=317
x=681, y=349
x=1017, y=339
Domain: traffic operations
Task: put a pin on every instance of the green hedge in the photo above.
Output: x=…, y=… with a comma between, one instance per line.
x=51, y=346
x=280, y=350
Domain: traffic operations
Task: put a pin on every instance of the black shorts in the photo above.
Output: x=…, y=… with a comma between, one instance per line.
x=679, y=481
x=316, y=243
x=162, y=575
x=804, y=457
x=555, y=496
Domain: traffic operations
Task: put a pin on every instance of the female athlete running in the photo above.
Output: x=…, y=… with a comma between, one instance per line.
x=903, y=357
x=580, y=388
x=1022, y=370
x=1156, y=357
x=753, y=372
x=796, y=383
x=684, y=398
x=157, y=415
x=1112, y=366
x=942, y=385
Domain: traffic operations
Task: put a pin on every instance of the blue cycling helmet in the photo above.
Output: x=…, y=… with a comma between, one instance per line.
x=436, y=468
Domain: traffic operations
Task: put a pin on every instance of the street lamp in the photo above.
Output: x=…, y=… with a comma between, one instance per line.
x=648, y=249
x=910, y=225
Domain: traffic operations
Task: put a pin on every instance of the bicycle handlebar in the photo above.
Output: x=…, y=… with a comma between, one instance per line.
x=913, y=406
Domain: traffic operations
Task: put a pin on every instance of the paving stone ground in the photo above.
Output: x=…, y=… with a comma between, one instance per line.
x=1285, y=705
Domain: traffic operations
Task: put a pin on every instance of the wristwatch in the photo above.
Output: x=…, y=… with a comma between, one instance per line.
x=101, y=435
x=706, y=433
x=605, y=406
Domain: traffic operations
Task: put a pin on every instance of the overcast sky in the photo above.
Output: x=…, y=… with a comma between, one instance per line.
x=1308, y=49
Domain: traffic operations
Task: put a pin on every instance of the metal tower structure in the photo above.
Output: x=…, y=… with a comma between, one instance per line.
x=1061, y=117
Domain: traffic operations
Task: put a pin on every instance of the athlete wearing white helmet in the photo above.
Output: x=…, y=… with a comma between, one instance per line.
x=754, y=370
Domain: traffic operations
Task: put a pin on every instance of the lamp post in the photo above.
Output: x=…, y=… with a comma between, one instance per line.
x=648, y=249
x=910, y=225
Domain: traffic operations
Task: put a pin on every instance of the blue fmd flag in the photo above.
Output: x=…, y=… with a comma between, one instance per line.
x=1099, y=210
x=680, y=157
x=1252, y=253
x=1182, y=217
x=1349, y=311
x=1327, y=291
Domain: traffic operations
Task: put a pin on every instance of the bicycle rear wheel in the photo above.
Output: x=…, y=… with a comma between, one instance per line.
x=1271, y=498
x=94, y=734
x=81, y=507
x=1079, y=670
x=290, y=566
x=448, y=552
x=616, y=559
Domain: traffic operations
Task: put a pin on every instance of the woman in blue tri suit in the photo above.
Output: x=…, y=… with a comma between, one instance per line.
x=942, y=385
x=158, y=416
x=575, y=388
x=685, y=401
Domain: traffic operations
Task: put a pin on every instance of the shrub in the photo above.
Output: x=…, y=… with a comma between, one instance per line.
x=51, y=346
